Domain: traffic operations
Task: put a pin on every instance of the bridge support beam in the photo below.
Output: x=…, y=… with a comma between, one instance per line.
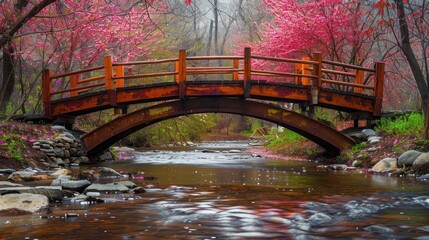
x=108, y=134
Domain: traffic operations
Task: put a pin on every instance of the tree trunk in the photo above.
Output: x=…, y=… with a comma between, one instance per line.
x=409, y=54
x=8, y=79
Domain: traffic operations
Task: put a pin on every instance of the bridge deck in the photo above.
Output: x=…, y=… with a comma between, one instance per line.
x=315, y=82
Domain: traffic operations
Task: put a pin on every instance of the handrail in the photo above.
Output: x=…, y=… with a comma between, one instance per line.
x=76, y=72
x=215, y=58
x=290, y=60
x=145, y=62
x=348, y=66
x=308, y=71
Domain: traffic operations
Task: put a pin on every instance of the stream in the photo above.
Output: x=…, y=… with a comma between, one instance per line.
x=222, y=191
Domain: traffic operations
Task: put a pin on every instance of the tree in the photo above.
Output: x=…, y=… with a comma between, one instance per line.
x=77, y=33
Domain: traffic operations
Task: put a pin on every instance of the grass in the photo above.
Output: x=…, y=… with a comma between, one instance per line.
x=411, y=124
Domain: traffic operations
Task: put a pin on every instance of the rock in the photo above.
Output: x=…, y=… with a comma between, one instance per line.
x=127, y=184
x=337, y=166
x=53, y=194
x=138, y=190
x=369, y=132
x=234, y=151
x=320, y=218
x=373, y=142
x=59, y=161
x=378, y=229
x=106, y=172
x=78, y=185
x=424, y=177
x=107, y=156
x=59, y=152
x=61, y=172
x=359, y=136
x=7, y=171
x=20, y=176
x=407, y=158
x=422, y=159
x=124, y=149
x=109, y=188
x=27, y=202
x=9, y=184
x=67, y=153
x=373, y=138
x=381, y=166
x=392, y=161
x=93, y=194
x=357, y=163
x=373, y=149
x=82, y=159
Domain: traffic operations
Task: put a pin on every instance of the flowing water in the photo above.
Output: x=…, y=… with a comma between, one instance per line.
x=214, y=191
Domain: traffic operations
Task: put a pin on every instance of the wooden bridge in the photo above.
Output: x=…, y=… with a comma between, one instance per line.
x=236, y=84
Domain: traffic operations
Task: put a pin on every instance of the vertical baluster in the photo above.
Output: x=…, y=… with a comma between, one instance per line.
x=247, y=71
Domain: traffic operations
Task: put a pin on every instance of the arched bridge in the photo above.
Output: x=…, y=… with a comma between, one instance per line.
x=236, y=84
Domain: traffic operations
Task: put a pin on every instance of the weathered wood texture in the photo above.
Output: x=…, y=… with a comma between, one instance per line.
x=309, y=80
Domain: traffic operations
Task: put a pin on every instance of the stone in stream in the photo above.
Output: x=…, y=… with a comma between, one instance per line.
x=52, y=193
x=127, y=184
x=107, y=188
x=407, y=158
x=97, y=172
x=75, y=185
x=320, y=218
x=24, y=202
x=20, y=176
x=378, y=229
x=138, y=190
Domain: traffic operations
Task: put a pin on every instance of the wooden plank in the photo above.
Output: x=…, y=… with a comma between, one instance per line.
x=182, y=73
x=350, y=74
x=167, y=60
x=281, y=74
x=78, y=88
x=213, y=58
x=93, y=79
x=379, y=87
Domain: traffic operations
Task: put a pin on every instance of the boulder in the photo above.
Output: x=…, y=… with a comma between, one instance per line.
x=138, y=190
x=53, y=194
x=385, y=165
x=78, y=185
x=106, y=188
x=25, y=202
x=422, y=159
x=407, y=158
x=357, y=163
x=106, y=172
x=337, y=167
x=369, y=132
x=359, y=136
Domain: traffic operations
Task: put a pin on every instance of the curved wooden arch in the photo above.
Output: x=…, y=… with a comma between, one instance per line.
x=106, y=135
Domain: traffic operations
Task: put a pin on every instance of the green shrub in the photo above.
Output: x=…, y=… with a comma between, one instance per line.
x=285, y=136
x=411, y=124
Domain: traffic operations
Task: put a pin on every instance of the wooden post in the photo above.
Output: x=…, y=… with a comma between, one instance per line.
x=298, y=70
x=316, y=83
x=305, y=69
x=46, y=92
x=108, y=78
x=182, y=74
x=235, y=65
x=379, y=85
x=359, y=80
x=176, y=69
x=120, y=73
x=73, y=84
x=247, y=71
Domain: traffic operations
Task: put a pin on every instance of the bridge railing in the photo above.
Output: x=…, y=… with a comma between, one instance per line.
x=313, y=72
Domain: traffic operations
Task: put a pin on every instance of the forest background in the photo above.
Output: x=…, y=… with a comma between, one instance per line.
x=68, y=35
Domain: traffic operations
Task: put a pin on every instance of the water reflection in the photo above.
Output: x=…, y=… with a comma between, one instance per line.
x=211, y=192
